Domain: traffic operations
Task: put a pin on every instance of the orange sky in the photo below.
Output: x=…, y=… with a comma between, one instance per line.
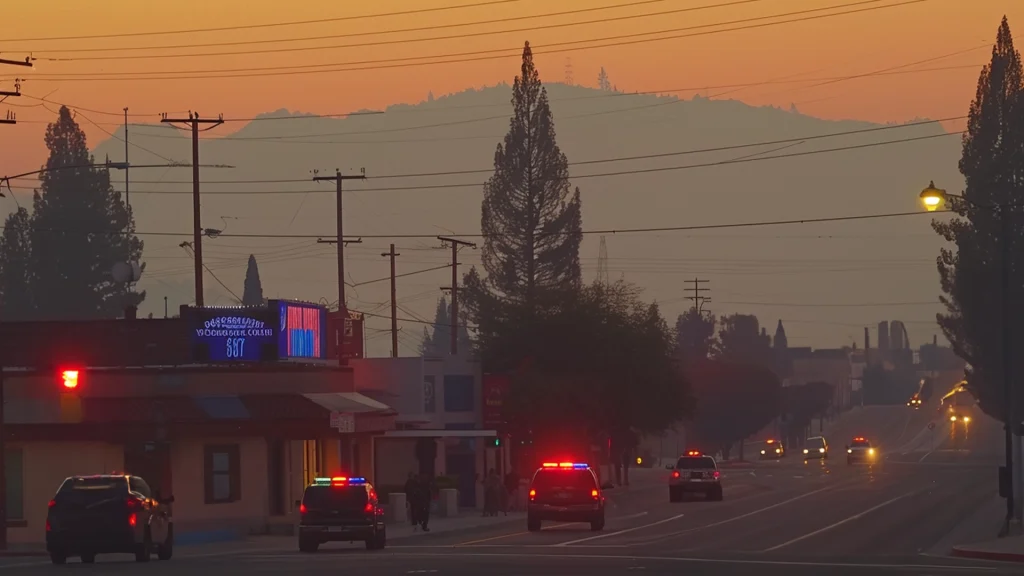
x=839, y=46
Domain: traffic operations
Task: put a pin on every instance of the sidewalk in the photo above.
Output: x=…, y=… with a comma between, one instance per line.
x=1010, y=549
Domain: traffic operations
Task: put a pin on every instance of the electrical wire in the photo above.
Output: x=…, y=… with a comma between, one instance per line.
x=560, y=47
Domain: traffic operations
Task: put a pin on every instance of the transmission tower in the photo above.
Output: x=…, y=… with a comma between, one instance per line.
x=568, y=72
x=602, y=263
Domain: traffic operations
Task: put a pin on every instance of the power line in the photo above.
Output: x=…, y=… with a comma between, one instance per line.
x=382, y=32
x=845, y=305
x=587, y=176
x=595, y=161
x=606, y=231
x=454, y=58
x=266, y=25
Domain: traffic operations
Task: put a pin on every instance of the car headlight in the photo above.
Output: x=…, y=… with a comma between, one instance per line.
x=966, y=419
x=871, y=451
x=849, y=451
x=805, y=450
x=778, y=451
x=762, y=451
x=952, y=418
x=822, y=450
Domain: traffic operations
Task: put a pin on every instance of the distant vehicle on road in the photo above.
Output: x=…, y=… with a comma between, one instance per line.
x=108, y=514
x=772, y=449
x=816, y=447
x=860, y=450
x=695, y=472
x=915, y=401
x=565, y=492
x=340, y=509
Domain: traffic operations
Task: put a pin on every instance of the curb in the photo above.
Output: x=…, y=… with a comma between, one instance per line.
x=23, y=553
x=976, y=554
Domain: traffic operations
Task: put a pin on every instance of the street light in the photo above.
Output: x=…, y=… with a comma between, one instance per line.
x=934, y=198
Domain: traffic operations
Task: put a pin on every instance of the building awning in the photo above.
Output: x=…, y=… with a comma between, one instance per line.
x=348, y=402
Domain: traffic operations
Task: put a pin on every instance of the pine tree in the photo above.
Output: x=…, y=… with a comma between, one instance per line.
x=80, y=229
x=15, y=257
x=253, y=290
x=993, y=167
x=531, y=217
x=440, y=344
x=602, y=81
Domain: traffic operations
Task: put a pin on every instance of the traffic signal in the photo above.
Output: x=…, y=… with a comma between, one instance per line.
x=495, y=441
x=69, y=379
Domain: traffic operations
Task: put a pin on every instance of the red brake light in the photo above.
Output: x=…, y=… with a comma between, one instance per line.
x=533, y=494
x=69, y=378
x=675, y=473
x=132, y=520
x=302, y=509
x=53, y=503
x=368, y=508
x=716, y=474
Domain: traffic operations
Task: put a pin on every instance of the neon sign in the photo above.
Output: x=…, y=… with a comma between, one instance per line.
x=302, y=331
x=232, y=334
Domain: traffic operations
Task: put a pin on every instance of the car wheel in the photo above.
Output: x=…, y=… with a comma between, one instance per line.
x=532, y=524
x=308, y=545
x=58, y=558
x=144, y=550
x=166, y=549
x=598, y=524
x=88, y=558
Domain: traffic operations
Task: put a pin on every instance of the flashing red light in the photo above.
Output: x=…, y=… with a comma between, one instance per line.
x=675, y=474
x=770, y=441
x=533, y=494
x=132, y=520
x=339, y=479
x=303, y=509
x=858, y=439
x=693, y=453
x=717, y=474
x=69, y=378
x=53, y=503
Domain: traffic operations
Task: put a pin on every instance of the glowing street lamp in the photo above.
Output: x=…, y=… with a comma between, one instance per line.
x=933, y=198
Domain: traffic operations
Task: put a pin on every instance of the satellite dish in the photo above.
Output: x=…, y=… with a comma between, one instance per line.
x=125, y=272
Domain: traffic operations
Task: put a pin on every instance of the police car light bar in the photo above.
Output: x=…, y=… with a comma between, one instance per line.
x=693, y=453
x=573, y=465
x=338, y=480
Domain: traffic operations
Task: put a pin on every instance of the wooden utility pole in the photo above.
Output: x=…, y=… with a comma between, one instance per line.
x=193, y=121
x=4, y=95
x=455, y=244
x=698, y=300
x=338, y=178
x=394, y=302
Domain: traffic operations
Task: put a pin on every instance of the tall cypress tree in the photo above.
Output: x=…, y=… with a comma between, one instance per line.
x=252, y=294
x=80, y=229
x=15, y=275
x=993, y=166
x=531, y=217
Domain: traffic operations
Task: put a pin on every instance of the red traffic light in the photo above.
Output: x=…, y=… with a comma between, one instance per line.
x=69, y=378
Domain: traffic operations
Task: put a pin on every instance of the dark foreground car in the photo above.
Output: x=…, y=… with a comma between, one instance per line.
x=695, y=473
x=565, y=492
x=340, y=509
x=108, y=514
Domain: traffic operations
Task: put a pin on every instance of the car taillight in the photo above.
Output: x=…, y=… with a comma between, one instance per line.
x=533, y=494
x=594, y=494
x=368, y=508
x=716, y=474
x=53, y=503
x=675, y=474
x=132, y=519
x=133, y=503
x=302, y=509
x=47, y=525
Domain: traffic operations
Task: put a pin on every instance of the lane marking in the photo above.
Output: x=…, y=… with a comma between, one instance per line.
x=553, y=527
x=841, y=522
x=734, y=518
x=926, y=454
x=960, y=567
x=616, y=533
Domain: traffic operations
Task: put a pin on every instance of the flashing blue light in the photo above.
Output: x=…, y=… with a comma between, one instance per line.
x=580, y=466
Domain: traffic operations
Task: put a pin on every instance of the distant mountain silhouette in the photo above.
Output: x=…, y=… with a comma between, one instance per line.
x=889, y=260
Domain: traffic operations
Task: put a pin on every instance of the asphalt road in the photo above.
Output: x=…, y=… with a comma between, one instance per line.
x=778, y=517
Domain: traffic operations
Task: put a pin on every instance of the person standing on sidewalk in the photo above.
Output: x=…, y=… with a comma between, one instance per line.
x=412, y=494
x=425, y=493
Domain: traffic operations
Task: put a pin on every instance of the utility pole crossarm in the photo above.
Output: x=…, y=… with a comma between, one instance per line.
x=347, y=241
x=455, y=244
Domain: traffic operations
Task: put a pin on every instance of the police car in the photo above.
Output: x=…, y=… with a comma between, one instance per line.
x=340, y=509
x=565, y=492
x=860, y=450
x=695, y=472
x=772, y=450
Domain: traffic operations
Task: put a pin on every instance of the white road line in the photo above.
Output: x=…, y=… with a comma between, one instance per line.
x=841, y=522
x=926, y=454
x=933, y=567
x=553, y=527
x=616, y=533
x=734, y=518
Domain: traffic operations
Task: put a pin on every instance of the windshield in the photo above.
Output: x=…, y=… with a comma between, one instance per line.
x=699, y=463
x=562, y=479
x=92, y=490
x=335, y=497
x=817, y=442
x=860, y=444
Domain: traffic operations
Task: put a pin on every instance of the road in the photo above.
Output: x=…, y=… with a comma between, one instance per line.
x=778, y=517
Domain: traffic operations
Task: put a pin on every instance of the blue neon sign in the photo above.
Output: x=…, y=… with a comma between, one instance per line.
x=232, y=335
